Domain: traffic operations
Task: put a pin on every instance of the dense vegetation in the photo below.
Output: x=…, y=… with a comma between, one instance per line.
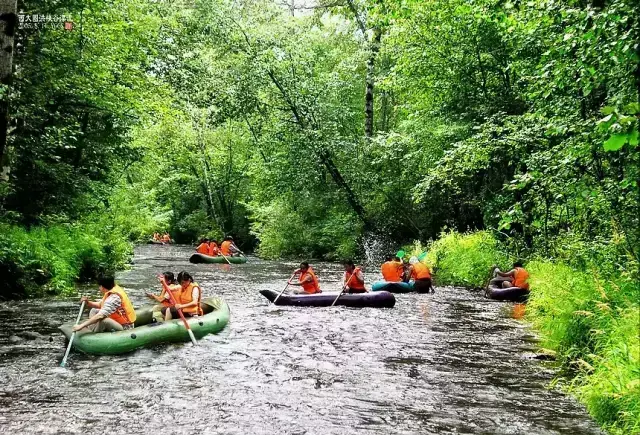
x=310, y=131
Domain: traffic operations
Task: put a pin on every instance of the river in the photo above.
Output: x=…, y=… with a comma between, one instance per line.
x=449, y=362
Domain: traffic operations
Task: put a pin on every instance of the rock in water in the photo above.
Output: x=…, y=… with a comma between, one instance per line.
x=14, y=339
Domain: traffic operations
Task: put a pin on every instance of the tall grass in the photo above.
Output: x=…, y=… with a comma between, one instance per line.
x=591, y=321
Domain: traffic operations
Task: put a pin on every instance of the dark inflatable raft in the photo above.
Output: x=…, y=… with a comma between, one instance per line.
x=198, y=258
x=512, y=294
x=393, y=287
x=359, y=300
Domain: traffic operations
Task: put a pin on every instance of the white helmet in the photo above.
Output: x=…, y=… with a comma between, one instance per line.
x=413, y=260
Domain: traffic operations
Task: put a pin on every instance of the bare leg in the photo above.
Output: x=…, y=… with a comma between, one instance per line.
x=167, y=314
x=506, y=284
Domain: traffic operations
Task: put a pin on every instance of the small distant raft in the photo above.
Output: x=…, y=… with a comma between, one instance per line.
x=393, y=287
x=159, y=242
x=198, y=258
x=215, y=318
x=358, y=300
x=512, y=294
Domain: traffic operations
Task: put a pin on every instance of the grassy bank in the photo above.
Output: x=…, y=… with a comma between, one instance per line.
x=590, y=321
x=49, y=259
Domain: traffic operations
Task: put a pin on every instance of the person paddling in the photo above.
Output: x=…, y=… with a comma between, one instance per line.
x=307, y=280
x=113, y=313
x=421, y=275
x=188, y=300
x=392, y=269
x=518, y=276
x=353, y=278
x=203, y=247
x=172, y=285
x=228, y=248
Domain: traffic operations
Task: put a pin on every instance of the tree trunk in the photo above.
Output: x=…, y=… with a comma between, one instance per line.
x=8, y=25
x=370, y=79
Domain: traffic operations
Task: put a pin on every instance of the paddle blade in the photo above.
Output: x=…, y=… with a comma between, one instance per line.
x=422, y=256
x=400, y=254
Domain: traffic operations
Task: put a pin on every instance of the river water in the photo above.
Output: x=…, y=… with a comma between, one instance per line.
x=449, y=362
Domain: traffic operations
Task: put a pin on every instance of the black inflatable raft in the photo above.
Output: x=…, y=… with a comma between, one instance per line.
x=380, y=299
x=513, y=294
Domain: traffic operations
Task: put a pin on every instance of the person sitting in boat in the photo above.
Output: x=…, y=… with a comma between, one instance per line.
x=173, y=287
x=214, y=250
x=392, y=269
x=421, y=276
x=156, y=236
x=203, y=247
x=307, y=280
x=228, y=248
x=113, y=313
x=353, y=278
x=517, y=277
x=189, y=300
x=166, y=238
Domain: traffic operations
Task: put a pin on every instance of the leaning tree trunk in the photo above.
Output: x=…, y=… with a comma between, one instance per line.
x=370, y=79
x=8, y=24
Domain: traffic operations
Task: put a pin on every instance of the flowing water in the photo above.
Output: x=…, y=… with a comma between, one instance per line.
x=449, y=362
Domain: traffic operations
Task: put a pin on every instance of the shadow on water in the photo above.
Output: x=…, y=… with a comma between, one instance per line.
x=450, y=362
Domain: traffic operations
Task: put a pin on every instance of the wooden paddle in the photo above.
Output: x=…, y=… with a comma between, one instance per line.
x=225, y=258
x=184, y=320
x=345, y=286
x=73, y=335
x=284, y=289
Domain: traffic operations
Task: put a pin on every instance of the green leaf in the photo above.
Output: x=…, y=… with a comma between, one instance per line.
x=616, y=142
x=633, y=138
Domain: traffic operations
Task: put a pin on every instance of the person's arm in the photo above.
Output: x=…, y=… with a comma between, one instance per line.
x=511, y=273
x=110, y=306
x=233, y=248
x=88, y=303
x=359, y=276
x=299, y=283
x=195, y=293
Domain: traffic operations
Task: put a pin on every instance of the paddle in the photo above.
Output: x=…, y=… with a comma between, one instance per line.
x=73, y=335
x=184, y=320
x=225, y=258
x=346, y=284
x=284, y=289
x=400, y=254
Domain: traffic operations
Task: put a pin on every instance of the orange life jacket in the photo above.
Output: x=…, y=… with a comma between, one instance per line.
x=225, y=248
x=186, y=297
x=310, y=286
x=213, y=249
x=521, y=278
x=203, y=248
x=353, y=283
x=125, y=314
x=392, y=271
x=175, y=291
x=420, y=271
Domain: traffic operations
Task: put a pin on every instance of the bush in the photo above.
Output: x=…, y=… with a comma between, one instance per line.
x=592, y=324
x=465, y=259
x=49, y=259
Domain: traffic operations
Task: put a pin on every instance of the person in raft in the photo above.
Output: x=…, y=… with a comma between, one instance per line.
x=307, y=280
x=203, y=247
x=353, y=278
x=166, y=238
x=113, y=313
x=214, y=250
x=518, y=277
x=156, y=237
x=392, y=269
x=189, y=298
x=421, y=276
x=172, y=285
x=228, y=248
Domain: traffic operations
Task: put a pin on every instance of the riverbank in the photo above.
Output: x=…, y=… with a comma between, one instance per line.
x=588, y=318
x=49, y=259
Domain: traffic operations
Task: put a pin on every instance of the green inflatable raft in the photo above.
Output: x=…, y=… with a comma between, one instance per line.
x=215, y=318
x=201, y=258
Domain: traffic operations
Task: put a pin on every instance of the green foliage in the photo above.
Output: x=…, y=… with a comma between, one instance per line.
x=592, y=324
x=465, y=259
x=51, y=258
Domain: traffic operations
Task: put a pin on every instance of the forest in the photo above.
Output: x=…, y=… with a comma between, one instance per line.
x=483, y=130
